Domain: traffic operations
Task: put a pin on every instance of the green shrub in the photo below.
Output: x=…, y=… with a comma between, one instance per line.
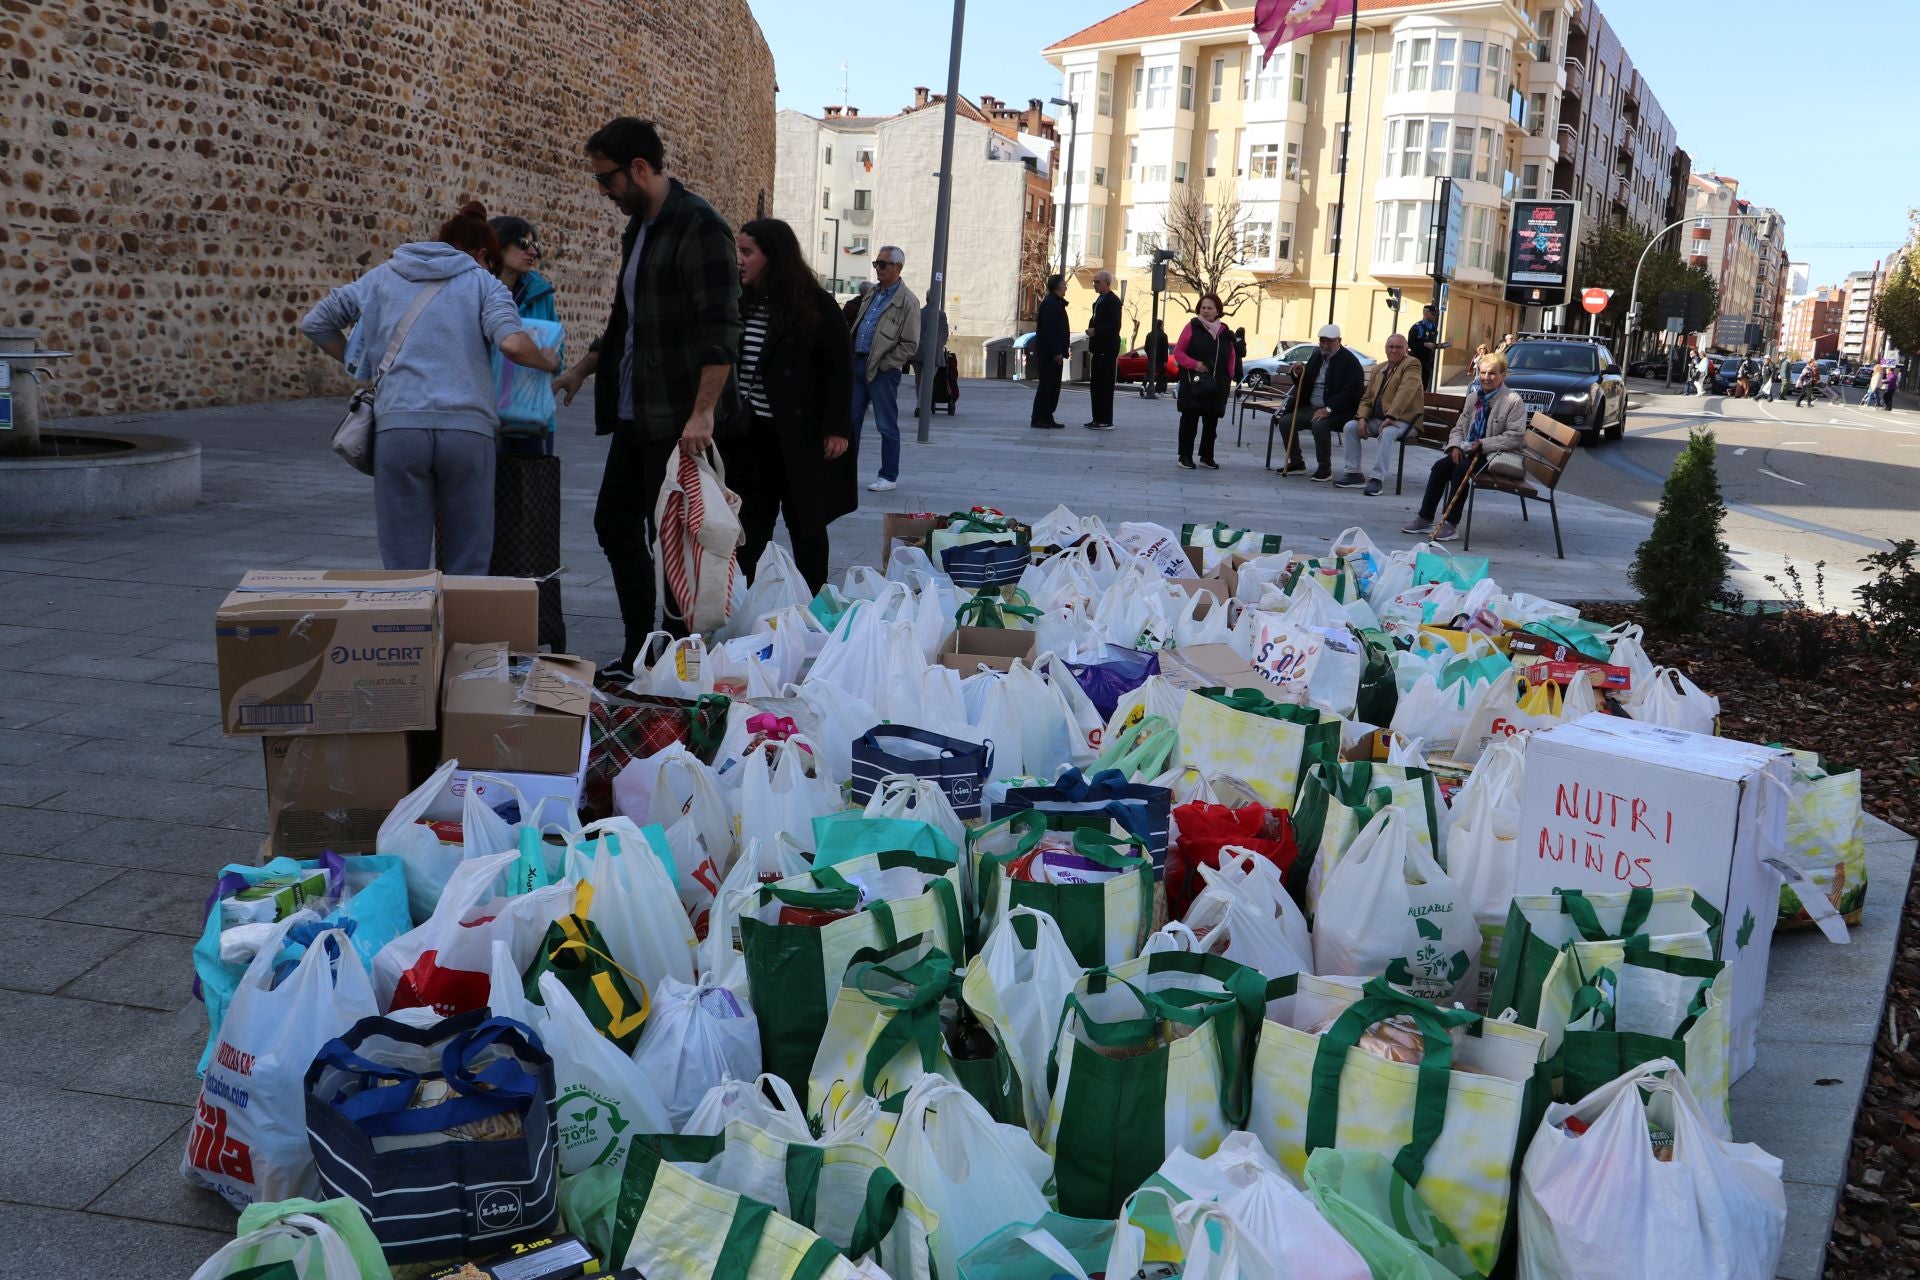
x=1680, y=568
x=1891, y=602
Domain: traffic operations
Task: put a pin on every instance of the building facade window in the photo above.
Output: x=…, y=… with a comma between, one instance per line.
x=1099, y=175
x=1153, y=173
x=1346, y=137
x=1450, y=64
x=1078, y=85
x=864, y=158
x=1256, y=239
x=1263, y=160
x=862, y=198
x=1159, y=88
x=1292, y=171
x=1139, y=86
x=1094, y=228
x=1179, y=170
x=826, y=197
x=1299, y=90
x=1106, y=93
x=1270, y=81
x=1422, y=147
x=1478, y=250
x=1537, y=114
x=1333, y=229
x=1218, y=84
x=829, y=159
x=1213, y=152
x=1186, y=88
x=1133, y=160
x=1530, y=182
x=859, y=245
x=1405, y=235
x=1283, y=246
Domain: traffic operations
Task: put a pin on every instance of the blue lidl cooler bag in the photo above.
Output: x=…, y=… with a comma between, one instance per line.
x=428, y=1193
x=958, y=767
x=365, y=896
x=980, y=565
x=524, y=397
x=1075, y=800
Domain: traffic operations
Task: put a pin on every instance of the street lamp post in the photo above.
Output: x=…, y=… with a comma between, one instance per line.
x=1633, y=300
x=833, y=265
x=931, y=314
x=1066, y=203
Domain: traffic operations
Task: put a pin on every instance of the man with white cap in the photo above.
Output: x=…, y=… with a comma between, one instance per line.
x=1326, y=398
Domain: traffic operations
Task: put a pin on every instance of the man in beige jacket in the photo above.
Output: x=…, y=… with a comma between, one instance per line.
x=1394, y=400
x=886, y=336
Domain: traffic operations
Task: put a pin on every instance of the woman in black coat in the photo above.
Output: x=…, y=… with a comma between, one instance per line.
x=796, y=380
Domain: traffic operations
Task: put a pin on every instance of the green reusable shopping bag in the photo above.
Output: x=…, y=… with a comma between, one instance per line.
x=884, y=1031
x=347, y=1219
x=1459, y=571
x=799, y=935
x=1826, y=840
x=1219, y=538
x=1539, y=927
x=1151, y=1055
x=1384, y=1219
x=576, y=954
x=1105, y=923
x=1332, y=573
x=1337, y=800
x=838, y=837
x=987, y=608
x=1007, y=1255
x=1245, y=734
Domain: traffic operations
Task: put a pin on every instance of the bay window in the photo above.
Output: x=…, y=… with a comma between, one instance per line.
x=1263, y=160
x=1159, y=87
x=1405, y=235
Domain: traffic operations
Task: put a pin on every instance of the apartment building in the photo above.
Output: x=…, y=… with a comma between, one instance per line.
x=1733, y=239
x=1176, y=105
x=1857, y=330
x=849, y=183
x=1811, y=330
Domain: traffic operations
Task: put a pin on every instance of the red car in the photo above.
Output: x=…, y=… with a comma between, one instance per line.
x=1132, y=366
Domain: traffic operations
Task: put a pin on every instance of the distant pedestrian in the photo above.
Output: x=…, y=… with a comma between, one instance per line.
x=796, y=379
x=1103, y=346
x=1889, y=385
x=1703, y=374
x=1423, y=341
x=1240, y=347
x=1205, y=356
x=663, y=384
x=1332, y=383
x=886, y=337
x=1393, y=399
x=1875, y=381
x=1505, y=342
x=1493, y=421
x=434, y=413
x=851, y=308
x=1809, y=385
x=1052, y=345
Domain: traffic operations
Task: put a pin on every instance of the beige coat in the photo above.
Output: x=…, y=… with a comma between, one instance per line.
x=1506, y=423
x=1404, y=398
x=897, y=338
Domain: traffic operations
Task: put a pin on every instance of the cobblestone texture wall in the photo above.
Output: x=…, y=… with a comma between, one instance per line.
x=181, y=179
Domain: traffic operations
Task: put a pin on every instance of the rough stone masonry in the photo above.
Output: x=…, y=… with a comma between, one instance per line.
x=182, y=179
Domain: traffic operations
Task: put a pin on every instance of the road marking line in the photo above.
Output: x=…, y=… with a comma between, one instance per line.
x=1777, y=476
x=1738, y=452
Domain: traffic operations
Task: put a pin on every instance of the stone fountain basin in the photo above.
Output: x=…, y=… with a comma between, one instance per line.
x=96, y=475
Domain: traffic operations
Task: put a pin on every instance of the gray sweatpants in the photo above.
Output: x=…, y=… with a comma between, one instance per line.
x=418, y=471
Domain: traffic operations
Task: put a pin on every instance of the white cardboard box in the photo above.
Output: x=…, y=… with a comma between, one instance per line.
x=1612, y=804
x=449, y=805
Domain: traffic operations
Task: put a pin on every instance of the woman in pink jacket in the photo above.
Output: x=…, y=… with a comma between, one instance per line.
x=1205, y=357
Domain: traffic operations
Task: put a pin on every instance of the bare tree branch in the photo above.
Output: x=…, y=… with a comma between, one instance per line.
x=1209, y=245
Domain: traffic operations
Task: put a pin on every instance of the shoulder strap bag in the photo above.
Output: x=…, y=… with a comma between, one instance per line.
x=353, y=438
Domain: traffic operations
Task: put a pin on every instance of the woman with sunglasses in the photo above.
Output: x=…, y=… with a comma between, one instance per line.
x=796, y=378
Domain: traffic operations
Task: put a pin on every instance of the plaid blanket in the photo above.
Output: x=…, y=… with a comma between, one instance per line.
x=623, y=727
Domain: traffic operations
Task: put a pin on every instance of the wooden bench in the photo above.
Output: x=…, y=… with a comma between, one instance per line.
x=1549, y=445
x=1430, y=430
x=1264, y=399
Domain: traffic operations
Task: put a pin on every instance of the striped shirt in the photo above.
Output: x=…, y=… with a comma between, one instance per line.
x=752, y=346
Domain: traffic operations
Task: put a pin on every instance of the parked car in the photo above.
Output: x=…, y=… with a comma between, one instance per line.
x=1653, y=366
x=1863, y=376
x=1571, y=378
x=1132, y=366
x=1262, y=371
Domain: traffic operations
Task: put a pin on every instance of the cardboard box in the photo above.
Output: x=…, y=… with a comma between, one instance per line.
x=559, y=1257
x=492, y=787
x=970, y=648
x=1612, y=804
x=507, y=712
x=1210, y=666
x=914, y=530
x=486, y=610
x=329, y=651
x=332, y=790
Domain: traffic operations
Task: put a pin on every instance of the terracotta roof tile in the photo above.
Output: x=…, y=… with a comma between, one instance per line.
x=1159, y=18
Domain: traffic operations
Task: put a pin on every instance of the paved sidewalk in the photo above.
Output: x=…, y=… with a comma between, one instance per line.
x=119, y=798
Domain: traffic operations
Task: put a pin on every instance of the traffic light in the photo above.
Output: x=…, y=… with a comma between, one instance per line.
x=1393, y=301
x=1159, y=277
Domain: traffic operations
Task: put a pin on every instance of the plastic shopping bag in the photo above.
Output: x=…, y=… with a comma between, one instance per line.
x=248, y=1140
x=1389, y=909
x=1483, y=852
x=299, y=1246
x=747, y=1100
x=785, y=788
x=1017, y=986
x=696, y=1038
x=1384, y=1219
x=1599, y=1199
x=634, y=902
x=1676, y=702
x=445, y=964
x=428, y=859
x=602, y=1098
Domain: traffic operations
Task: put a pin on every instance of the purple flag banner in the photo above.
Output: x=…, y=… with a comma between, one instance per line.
x=1278, y=21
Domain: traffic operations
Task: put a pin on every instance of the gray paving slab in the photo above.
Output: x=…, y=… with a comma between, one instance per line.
x=39, y=886
x=22, y=787
x=146, y=901
x=163, y=846
x=45, y=955
x=1810, y=1209
x=42, y=1243
x=155, y=971
x=154, y=1191
x=40, y=1164
x=30, y=831
x=162, y=798
x=164, y=760
x=113, y=1049
x=25, y=746
x=24, y=713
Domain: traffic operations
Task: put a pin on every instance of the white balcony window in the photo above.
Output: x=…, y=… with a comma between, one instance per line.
x=1186, y=88
x=1256, y=239
x=1270, y=82
x=1443, y=56
x=1299, y=91
x=1263, y=160
x=1283, y=247
x=1405, y=235
x=1106, y=93
x=1159, y=88
x=1217, y=85
x=1292, y=171
x=1213, y=152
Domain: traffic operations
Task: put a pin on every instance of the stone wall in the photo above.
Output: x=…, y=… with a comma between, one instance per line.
x=181, y=179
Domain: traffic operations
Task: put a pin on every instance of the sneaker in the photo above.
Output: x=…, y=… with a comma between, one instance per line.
x=1209, y=464
x=1184, y=464
x=1291, y=469
x=1048, y=426
x=1445, y=532
x=1373, y=489
x=1419, y=524
x=1099, y=426
x=618, y=670
x=1351, y=480
x=1321, y=476
x=881, y=485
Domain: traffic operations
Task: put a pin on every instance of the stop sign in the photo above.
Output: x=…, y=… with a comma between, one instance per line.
x=1595, y=300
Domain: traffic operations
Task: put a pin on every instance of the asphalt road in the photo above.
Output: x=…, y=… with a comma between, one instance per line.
x=1828, y=482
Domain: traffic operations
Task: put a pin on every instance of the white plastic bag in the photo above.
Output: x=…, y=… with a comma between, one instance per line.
x=673, y=788
x=1248, y=917
x=1388, y=909
x=1203, y=620
x=783, y=1117
x=427, y=859
x=843, y=719
x=1251, y=1189
x=777, y=584
x=1020, y=992
x=697, y=1036
x=1495, y=714
x=1431, y=713
x=1042, y=723
x=1158, y=545
x=785, y=793
x=467, y=921
x=601, y=1099
x=976, y=1175
x=718, y=957
x=635, y=901
x=507, y=992
x=1627, y=652
x=904, y=795
x=248, y=1141
x=316, y=1250
x=1602, y=1206
x=1483, y=829
x=682, y=670
x=1089, y=731
x=1676, y=702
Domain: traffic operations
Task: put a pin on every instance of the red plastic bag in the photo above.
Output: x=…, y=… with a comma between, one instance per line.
x=1202, y=830
x=446, y=991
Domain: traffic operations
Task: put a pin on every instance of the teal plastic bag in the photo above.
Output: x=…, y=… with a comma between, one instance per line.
x=374, y=913
x=1383, y=1218
x=1004, y=1255
x=829, y=606
x=523, y=397
x=838, y=837
x=1461, y=571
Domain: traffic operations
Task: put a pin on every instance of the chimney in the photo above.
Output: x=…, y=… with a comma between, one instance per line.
x=1034, y=116
x=833, y=113
x=852, y=112
x=988, y=105
x=919, y=96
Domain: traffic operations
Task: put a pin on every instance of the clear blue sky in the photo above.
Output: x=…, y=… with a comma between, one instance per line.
x=1808, y=106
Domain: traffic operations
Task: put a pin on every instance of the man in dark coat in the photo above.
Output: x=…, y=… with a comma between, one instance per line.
x=1103, y=345
x=1052, y=345
x=1326, y=398
x=1423, y=344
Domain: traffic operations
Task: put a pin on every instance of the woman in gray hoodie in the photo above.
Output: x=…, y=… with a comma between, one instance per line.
x=434, y=413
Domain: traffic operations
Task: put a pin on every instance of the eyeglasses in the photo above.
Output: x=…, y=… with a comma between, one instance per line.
x=606, y=179
x=883, y=262
x=528, y=245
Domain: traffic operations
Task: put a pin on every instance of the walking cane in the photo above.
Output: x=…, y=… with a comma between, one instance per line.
x=1293, y=430
x=1476, y=463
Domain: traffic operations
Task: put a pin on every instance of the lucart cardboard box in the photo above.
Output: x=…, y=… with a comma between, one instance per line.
x=329, y=651
x=483, y=610
x=332, y=790
x=1611, y=804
